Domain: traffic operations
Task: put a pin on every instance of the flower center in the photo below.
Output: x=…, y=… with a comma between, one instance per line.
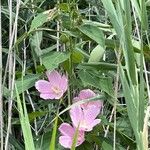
x=56, y=90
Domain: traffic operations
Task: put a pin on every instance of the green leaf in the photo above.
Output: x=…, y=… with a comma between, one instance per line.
x=98, y=66
x=77, y=56
x=130, y=101
x=108, y=5
x=28, y=82
x=36, y=114
x=96, y=54
x=144, y=16
x=24, y=120
x=53, y=138
x=53, y=59
x=106, y=146
x=43, y=141
x=43, y=17
x=94, y=33
x=85, y=146
x=102, y=83
x=35, y=42
x=64, y=7
x=121, y=20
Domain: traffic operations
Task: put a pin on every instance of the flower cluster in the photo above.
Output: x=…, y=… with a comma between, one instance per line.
x=83, y=116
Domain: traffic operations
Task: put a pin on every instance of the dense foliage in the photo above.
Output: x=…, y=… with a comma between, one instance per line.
x=100, y=48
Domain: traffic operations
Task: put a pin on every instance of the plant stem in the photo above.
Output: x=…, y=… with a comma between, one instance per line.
x=1, y=93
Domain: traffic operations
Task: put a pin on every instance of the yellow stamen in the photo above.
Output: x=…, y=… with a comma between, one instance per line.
x=56, y=90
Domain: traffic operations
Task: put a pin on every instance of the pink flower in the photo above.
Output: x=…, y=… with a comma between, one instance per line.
x=85, y=118
x=86, y=94
x=54, y=88
x=68, y=132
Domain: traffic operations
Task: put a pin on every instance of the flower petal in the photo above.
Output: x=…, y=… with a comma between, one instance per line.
x=43, y=86
x=81, y=138
x=76, y=99
x=85, y=94
x=64, y=83
x=58, y=96
x=91, y=113
x=47, y=96
x=65, y=141
x=95, y=122
x=66, y=129
x=76, y=115
x=54, y=77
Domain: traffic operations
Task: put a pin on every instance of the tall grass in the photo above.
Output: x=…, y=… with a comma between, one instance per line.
x=101, y=44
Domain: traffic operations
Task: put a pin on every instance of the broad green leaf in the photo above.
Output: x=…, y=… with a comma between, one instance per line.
x=43, y=17
x=36, y=114
x=96, y=54
x=106, y=146
x=94, y=33
x=102, y=83
x=35, y=42
x=98, y=66
x=28, y=82
x=53, y=59
x=49, y=49
x=77, y=56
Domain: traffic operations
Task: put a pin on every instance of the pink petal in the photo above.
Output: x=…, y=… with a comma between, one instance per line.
x=95, y=122
x=64, y=83
x=89, y=127
x=43, y=86
x=76, y=99
x=58, y=96
x=97, y=104
x=81, y=138
x=76, y=115
x=54, y=77
x=66, y=129
x=91, y=113
x=85, y=94
x=65, y=141
x=47, y=96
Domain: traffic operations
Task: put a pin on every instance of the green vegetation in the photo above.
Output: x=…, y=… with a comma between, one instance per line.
x=102, y=45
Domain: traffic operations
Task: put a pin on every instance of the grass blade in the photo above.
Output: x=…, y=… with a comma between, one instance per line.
x=25, y=125
x=53, y=138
